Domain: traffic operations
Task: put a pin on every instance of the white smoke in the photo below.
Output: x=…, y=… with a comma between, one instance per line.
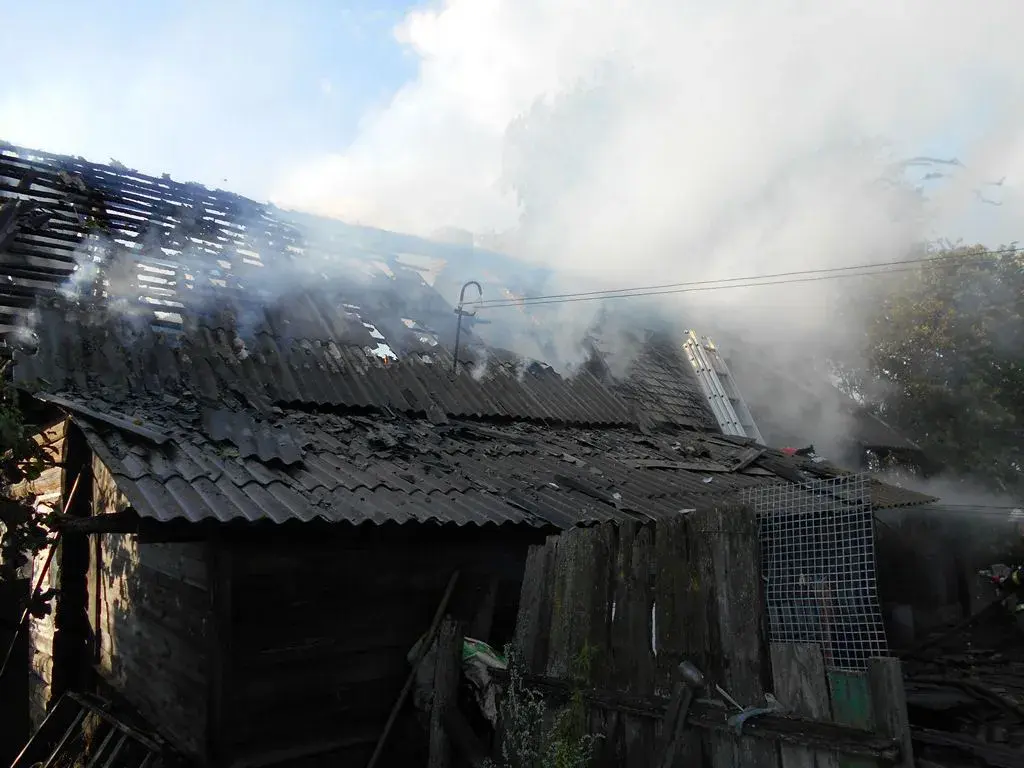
x=642, y=142
x=651, y=142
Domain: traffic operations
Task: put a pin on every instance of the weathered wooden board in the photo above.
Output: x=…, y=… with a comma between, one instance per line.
x=729, y=557
x=889, y=704
x=851, y=705
x=151, y=618
x=801, y=685
x=321, y=634
x=635, y=601
x=446, y=691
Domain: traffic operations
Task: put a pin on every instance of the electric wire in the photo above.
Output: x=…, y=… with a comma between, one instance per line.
x=751, y=281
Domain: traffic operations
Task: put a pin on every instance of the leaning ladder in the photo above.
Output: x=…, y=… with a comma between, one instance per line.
x=719, y=388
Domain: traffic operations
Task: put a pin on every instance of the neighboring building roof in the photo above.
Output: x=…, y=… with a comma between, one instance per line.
x=195, y=277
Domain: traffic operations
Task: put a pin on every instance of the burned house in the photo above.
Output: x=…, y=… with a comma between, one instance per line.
x=267, y=496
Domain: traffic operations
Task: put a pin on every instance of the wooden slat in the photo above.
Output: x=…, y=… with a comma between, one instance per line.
x=889, y=704
x=851, y=705
x=447, y=665
x=801, y=686
x=534, y=609
x=644, y=599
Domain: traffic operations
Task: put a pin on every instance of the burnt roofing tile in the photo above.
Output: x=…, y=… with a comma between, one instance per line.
x=252, y=437
x=399, y=469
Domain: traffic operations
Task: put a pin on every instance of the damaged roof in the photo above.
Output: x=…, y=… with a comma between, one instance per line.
x=357, y=469
x=298, y=365
x=210, y=395
x=184, y=297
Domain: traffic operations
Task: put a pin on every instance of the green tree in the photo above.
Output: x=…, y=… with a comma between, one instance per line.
x=944, y=360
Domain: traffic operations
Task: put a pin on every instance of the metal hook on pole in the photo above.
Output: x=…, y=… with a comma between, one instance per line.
x=461, y=312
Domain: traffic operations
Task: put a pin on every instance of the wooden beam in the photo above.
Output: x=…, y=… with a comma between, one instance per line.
x=114, y=522
x=483, y=619
x=747, y=458
x=130, y=522
x=447, y=666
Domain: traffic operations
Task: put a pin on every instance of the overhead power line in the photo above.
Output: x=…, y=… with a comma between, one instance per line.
x=751, y=281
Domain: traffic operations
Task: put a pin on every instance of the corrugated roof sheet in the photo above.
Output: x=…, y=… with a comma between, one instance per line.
x=402, y=469
x=106, y=354
x=197, y=276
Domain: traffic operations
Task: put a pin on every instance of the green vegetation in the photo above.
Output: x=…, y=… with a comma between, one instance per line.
x=943, y=361
x=533, y=736
x=24, y=528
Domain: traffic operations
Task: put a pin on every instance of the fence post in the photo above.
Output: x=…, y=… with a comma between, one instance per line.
x=725, y=553
x=889, y=704
x=801, y=685
x=851, y=705
x=446, y=690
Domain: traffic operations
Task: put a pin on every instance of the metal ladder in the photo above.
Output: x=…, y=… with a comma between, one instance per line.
x=719, y=388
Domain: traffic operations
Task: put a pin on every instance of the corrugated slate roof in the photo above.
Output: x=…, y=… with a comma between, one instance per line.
x=401, y=469
x=211, y=393
x=105, y=354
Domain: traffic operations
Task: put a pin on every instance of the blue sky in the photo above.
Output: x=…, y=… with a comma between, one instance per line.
x=198, y=89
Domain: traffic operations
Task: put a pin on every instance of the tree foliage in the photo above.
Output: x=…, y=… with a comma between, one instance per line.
x=944, y=361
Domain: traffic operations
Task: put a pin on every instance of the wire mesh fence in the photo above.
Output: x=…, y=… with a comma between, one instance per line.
x=818, y=563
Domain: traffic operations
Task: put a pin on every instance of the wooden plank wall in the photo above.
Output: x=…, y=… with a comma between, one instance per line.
x=642, y=599
x=149, y=609
x=320, y=630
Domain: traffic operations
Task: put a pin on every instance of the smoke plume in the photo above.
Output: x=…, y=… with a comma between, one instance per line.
x=636, y=143
x=624, y=144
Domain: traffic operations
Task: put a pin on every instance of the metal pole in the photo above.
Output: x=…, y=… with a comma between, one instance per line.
x=462, y=313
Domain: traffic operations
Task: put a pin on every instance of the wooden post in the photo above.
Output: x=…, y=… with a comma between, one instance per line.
x=534, y=620
x=447, y=666
x=725, y=550
x=219, y=647
x=801, y=686
x=480, y=627
x=889, y=704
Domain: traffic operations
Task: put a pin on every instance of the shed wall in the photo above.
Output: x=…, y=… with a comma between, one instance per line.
x=320, y=631
x=149, y=610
